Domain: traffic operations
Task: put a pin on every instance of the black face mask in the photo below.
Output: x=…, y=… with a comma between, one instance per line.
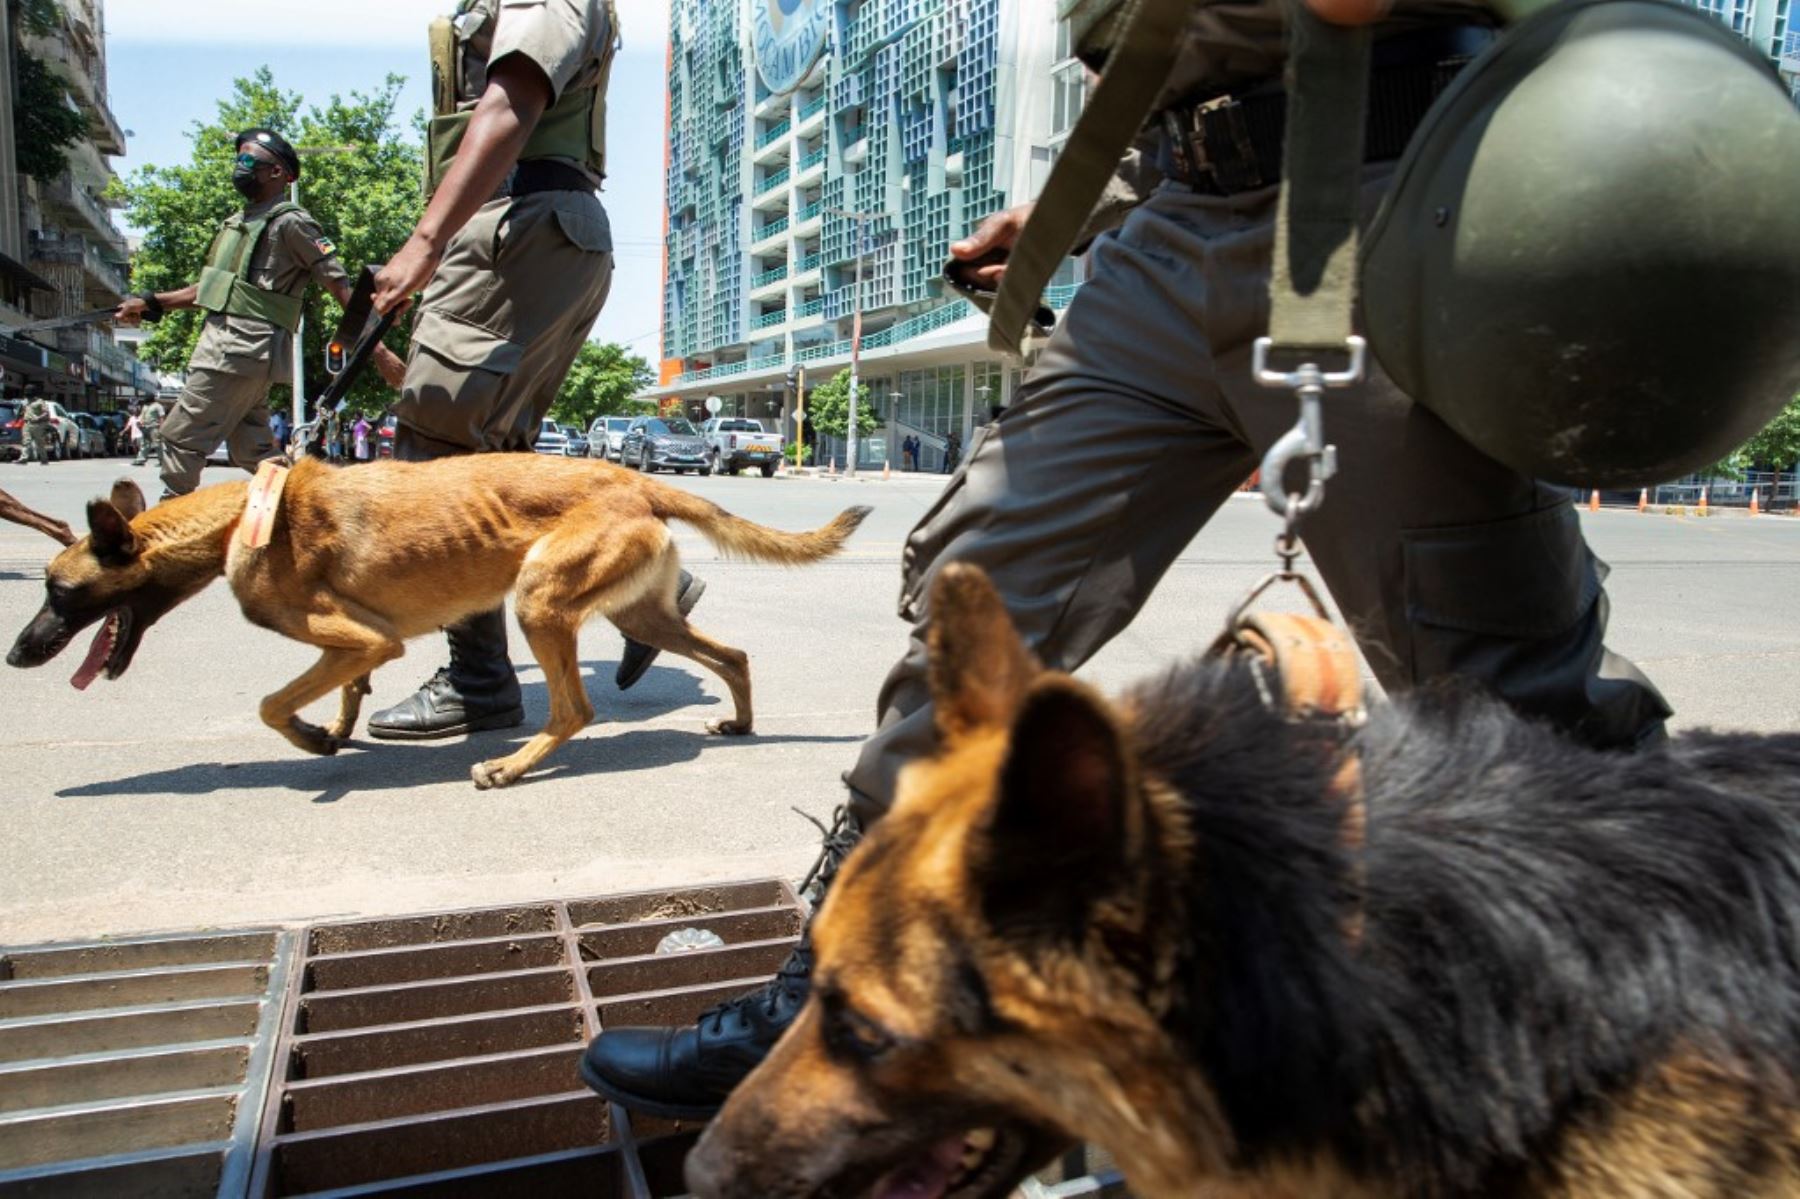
x=245, y=182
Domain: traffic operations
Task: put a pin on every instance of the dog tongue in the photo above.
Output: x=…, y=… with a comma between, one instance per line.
x=927, y=1177
x=89, y=670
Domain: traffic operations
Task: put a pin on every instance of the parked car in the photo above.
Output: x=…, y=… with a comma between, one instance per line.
x=65, y=434
x=92, y=435
x=575, y=442
x=12, y=430
x=550, y=438
x=384, y=437
x=606, y=435
x=734, y=442
x=663, y=443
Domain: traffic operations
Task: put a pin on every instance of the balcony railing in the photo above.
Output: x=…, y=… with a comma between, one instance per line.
x=65, y=193
x=771, y=229
x=767, y=277
x=809, y=161
x=774, y=133
x=768, y=319
x=814, y=105
x=811, y=262
x=811, y=210
x=825, y=349
x=772, y=181
x=810, y=308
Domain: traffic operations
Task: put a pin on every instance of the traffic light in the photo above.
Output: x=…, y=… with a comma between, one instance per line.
x=335, y=353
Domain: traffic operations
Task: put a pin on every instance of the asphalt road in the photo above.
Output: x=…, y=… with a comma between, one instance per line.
x=160, y=801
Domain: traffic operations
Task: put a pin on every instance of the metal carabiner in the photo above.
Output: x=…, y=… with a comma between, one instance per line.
x=1306, y=440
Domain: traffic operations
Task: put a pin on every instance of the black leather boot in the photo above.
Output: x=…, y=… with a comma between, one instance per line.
x=637, y=656
x=686, y=1073
x=477, y=691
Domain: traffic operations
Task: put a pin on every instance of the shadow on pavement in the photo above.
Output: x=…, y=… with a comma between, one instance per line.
x=610, y=746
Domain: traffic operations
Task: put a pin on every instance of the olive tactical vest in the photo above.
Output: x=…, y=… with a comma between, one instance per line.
x=573, y=128
x=225, y=279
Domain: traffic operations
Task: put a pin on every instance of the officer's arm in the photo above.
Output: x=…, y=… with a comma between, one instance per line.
x=517, y=93
x=133, y=309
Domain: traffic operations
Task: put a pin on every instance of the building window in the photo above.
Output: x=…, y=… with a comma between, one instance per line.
x=1068, y=92
x=1779, y=34
x=931, y=400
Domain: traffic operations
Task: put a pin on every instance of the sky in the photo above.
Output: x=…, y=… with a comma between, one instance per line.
x=169, y=62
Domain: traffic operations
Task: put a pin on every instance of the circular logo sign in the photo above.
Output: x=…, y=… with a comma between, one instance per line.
x=789, y=36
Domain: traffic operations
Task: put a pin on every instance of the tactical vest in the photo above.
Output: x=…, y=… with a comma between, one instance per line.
x=573, y=128
x=225, y=279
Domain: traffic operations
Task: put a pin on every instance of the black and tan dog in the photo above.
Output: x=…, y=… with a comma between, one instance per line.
x=360, y=560
x=1544, y=971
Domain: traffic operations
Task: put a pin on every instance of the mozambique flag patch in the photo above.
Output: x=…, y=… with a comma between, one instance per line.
x=326, y=246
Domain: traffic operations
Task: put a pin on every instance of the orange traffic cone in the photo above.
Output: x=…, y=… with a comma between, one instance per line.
x=1755, y=508
x=1702, y=509
x=1594, y=500
x=1644, y=500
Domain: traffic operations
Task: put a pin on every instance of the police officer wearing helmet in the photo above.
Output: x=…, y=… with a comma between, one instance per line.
x=251, y=286
x=1140, y=419
x=514, y=257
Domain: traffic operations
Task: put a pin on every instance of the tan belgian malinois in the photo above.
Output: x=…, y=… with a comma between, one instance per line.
x=1539, y=971
x=359, y=560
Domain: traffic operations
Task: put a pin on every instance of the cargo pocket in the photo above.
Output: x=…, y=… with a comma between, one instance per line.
x=456, y=379
x=583, y=221
x=1471, y=590
x=927, y=539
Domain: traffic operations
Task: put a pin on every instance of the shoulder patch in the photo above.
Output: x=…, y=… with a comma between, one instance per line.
x=326, y=245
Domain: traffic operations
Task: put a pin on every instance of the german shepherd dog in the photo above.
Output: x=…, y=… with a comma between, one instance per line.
x=1545, y=970
x=362, y=559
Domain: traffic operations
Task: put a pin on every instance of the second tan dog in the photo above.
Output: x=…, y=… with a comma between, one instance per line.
x=360, y=560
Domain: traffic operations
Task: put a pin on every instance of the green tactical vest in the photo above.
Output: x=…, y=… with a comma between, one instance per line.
x=225, y=279
x=573, y=128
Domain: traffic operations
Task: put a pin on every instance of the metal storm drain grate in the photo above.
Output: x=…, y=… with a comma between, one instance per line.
x=426, y=1056
x=137, y=1066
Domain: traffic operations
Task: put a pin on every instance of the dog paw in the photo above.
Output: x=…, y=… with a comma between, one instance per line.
x=488, y=775
x=728, y=728
x=313, y=739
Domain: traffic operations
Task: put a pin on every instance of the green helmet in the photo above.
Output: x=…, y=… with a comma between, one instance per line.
x=1589, y=264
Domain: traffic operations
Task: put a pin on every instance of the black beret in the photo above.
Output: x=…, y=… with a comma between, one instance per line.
x=275, y=144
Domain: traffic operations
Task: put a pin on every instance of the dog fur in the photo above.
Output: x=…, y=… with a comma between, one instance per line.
x=1547, y=971
x=363, y=559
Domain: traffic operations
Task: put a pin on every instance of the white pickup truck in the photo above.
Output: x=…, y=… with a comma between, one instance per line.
x=734, y=441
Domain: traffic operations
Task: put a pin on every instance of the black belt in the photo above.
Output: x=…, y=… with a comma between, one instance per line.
x=1232, y=143
x=544, y=175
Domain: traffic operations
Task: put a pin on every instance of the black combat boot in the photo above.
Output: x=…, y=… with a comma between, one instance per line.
x=637, y=656
x=686, y=1073
x=477, y=691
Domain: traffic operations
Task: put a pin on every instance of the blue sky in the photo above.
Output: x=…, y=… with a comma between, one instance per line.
x=169, y=62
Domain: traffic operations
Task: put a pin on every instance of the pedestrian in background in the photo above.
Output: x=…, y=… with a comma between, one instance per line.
x=280, y=428
x=37, y=428
x=360, y=434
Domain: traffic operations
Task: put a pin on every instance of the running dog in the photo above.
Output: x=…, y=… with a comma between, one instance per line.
x=1514, y=967
x=358, y=561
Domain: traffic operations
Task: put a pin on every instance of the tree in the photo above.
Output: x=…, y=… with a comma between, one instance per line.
x=47, y=123
x=1776, y=447
x=367, y=201
x=601, y=383
x=828, y=408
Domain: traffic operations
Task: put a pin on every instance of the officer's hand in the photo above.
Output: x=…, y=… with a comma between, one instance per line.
x=1350, y=12
x=405, y=275
x=986, y=248
x=393, y=371
x=131, y=312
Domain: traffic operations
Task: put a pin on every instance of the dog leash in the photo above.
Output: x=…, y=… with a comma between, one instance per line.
x=354, y=329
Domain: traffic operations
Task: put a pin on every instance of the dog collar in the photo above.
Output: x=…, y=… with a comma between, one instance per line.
x=257, y=525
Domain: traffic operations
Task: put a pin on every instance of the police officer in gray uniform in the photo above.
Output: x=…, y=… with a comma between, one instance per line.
x=37, y=428
x=251, y=286
x=1139, y=421
x=149, y=419
x=514, y=255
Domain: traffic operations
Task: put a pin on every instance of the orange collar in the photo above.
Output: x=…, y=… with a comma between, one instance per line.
x=257, y=525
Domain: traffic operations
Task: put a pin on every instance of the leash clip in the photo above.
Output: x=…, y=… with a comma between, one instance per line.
x=1306, y=440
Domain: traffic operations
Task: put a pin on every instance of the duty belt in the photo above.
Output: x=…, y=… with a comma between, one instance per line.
x=547, y=175
x=1232, y=143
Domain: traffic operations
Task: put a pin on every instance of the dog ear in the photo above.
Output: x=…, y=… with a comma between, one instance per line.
x=128, y=498
x=978, y=666
x=110, y=530
x=1066, y=817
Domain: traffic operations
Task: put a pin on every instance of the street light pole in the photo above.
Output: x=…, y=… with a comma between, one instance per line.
x=299, y=381
x=856, y=329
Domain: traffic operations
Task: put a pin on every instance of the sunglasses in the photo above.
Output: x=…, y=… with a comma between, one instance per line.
x=250, y=161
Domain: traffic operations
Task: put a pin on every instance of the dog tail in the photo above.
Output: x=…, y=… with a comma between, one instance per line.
x=746, y=539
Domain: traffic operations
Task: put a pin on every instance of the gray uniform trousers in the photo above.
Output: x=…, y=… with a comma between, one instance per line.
x=1140, y=419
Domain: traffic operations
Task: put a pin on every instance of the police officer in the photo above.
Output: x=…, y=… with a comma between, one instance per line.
x=37, y=427
x=514, y=255
x=149, y=421
x=1139, y=421
x=251, y=286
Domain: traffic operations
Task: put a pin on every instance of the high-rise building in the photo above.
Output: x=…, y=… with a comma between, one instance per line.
x=821, y=158
x=60, y=251
x=1766, y=26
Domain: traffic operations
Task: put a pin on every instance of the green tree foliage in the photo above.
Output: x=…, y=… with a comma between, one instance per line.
x=46, y=126
x=601, y=383
x=367, y=201
x=828, y=408
x=1777, y=447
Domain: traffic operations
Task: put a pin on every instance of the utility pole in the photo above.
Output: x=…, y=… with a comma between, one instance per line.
x=299, y=381
x=861, y=218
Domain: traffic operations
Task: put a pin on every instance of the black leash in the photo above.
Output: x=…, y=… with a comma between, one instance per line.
x=362, y=335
